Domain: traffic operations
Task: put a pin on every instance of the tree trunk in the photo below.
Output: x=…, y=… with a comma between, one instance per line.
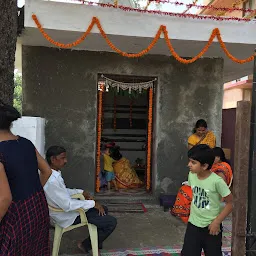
x=8, y=38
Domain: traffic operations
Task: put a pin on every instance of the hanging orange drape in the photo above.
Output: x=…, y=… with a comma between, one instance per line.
x=150, y=121
x=99, y=130
x=162, y=30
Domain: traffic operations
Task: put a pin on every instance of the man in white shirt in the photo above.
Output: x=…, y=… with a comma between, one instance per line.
x=59, y=196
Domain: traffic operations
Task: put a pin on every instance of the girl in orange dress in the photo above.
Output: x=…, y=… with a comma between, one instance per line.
x=181, y=208
x=221, y=166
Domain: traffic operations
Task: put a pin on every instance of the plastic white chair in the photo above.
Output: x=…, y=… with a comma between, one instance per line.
x=59, y=231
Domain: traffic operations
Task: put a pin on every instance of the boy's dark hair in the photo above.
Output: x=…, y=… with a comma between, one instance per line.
x=8, y=114
x=54, y=151
x=203, y=154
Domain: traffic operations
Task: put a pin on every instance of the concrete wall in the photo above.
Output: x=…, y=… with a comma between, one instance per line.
x=60, y=85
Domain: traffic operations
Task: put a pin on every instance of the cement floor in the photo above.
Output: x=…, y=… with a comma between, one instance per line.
x=134, y=230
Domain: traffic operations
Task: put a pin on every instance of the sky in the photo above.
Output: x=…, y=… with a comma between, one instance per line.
x=165, y=7
x=21, y=3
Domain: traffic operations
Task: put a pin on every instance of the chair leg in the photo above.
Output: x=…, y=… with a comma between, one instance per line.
x=94, y=239
x=57, y=239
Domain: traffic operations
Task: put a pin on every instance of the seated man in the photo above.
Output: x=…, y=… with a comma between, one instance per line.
x=59, y=196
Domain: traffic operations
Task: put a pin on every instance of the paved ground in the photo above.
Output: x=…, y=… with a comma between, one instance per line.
x=134, y=230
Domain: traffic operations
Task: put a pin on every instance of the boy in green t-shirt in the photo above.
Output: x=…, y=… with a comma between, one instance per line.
x=204, y=230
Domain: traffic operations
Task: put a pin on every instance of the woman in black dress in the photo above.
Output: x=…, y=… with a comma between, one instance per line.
x=24, y=217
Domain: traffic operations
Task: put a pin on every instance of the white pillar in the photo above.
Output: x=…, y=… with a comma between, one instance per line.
x=33, y=129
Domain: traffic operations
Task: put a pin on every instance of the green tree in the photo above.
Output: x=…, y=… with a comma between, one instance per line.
x=17, y=97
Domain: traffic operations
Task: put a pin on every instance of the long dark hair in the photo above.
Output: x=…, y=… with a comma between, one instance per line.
x=8, y=114
x=218, y=152
x=200, y=123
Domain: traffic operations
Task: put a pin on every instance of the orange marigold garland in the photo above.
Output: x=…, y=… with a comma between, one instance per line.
x=150, y=122
x=130, y=55
x=99, y=129
x=102, y=118
x=61, y=45
x=215, y=33
x=182, y=60
x=162, y=29
x=223, y=46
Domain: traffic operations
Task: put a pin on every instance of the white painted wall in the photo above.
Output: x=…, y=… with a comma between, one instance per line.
x=32, y=128
x=76, y=18
x=131, y=32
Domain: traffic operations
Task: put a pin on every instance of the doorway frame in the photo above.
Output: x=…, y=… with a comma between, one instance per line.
x=101, y=89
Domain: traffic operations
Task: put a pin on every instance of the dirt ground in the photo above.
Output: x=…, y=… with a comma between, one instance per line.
x=134, y=230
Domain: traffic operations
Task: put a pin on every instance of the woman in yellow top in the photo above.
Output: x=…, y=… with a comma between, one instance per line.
x=201, y=135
